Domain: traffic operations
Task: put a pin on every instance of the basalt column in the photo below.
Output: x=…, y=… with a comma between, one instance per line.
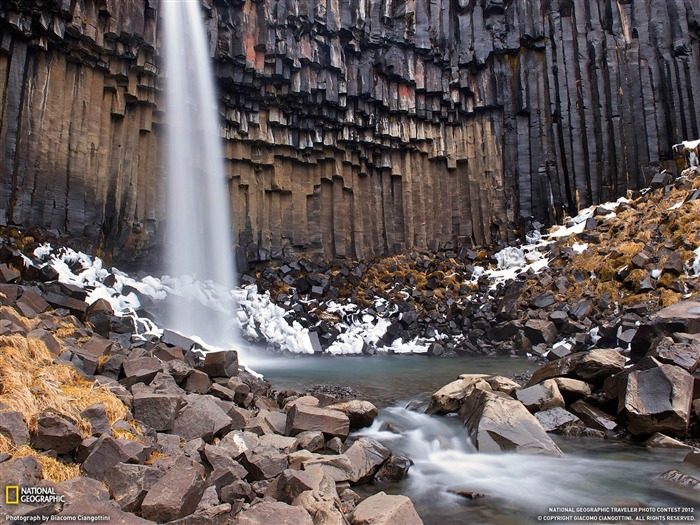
x=352, y=128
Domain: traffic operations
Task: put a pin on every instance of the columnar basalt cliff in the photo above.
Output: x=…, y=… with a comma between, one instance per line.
x=353, y=128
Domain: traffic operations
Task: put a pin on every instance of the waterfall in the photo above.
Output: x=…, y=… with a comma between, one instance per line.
x=199, y=240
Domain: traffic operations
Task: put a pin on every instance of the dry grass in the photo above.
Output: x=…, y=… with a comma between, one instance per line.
x=33, y=383
x=52, y=469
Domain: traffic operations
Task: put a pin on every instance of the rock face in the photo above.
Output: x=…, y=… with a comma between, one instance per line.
x=353, y=128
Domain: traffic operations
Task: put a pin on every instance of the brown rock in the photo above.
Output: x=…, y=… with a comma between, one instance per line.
x=331, y=422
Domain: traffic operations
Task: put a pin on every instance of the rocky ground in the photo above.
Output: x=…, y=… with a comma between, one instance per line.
x=143, y=427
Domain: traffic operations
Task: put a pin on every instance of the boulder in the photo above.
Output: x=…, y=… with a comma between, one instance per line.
x=541, y=331
x=129, y=484
x=311, y=440
x=12, y=425
x=360, y=413
x=659, y=440
x=281, y=443
x=236, y=442
x=197, y=382
x=337, y=466
x=20, y=471
x=366, y=455
x=236, y=490
x=220, y=364
x=658, y=400
x=97, y=416
x=57, y=434
x=264, y=463
x=541, y=396
x=382, y=509
x=685, y=355
x=201, y=418
x=451, y=396
x=140, y=370
x=323, y=508
x=332, y=423
x=157, y=411
x=682, y=481
x=498, y=423
x=274, y=512
x=105, y=454
x=80, y=486
x=502, y=384
x=593, y=417
x=556, y=418
x=572, y=389
x=683, y=316
x=591, y=366
x=174, y=496
x=394, y=469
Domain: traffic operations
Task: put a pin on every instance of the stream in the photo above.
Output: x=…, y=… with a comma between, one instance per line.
x=517, y=489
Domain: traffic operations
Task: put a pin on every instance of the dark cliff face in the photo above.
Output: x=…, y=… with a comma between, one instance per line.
x=353, y=128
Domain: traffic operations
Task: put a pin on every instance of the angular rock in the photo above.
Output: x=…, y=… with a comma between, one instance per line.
x=556, y=418
x=324, y=509
x=541, y=331
x=572, y=389
x=20, y=471
x=57, y=434
x=263, y=463
x=140, y=370
x=104, y=455
x=498, y=423
x=331, y=422
x=220, y=364
x=197, y=382
x=274, y=512
x=201, y=418
x=659, y=440
x=12, y=425
x=129, y=484
x=450, y=397
x=682, y=481
x=236, y=443
x=81, y=486
x=360, y=413
x=685, y=355
x=97, y=416
x=382, y=509
x=174, y=496
x=592, y=366
x=311, y=440
x=394, y=469
x=366, y=455
x=541, y=396
x=593, y=417
x=281, y=443
x=158, y=411
x=658, y=400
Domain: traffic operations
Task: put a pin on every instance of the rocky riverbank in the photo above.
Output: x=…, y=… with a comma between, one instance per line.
x=110, y=415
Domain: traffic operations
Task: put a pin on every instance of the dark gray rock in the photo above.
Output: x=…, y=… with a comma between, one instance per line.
x=158, y=411
x=57, y=434
x=174, y=496
x=12, y=425
x=201, y=418
x=220, y=364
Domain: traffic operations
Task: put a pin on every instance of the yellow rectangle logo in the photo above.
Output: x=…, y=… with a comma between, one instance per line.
x=11, y=499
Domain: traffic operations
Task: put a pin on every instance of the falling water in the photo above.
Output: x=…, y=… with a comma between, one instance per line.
x=199, y=225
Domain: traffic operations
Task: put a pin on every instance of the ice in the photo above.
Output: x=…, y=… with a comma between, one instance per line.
x=579, y=247
x=676, y=206
x=510, y=258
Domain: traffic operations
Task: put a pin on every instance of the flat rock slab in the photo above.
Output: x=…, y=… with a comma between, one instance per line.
x=541, y=396
x=12, y=425
x=331, y=422
x=451, y=396
x=360, y=413
x=277, y=513
x=498, y=423
x=382, y=509
x=556, y=418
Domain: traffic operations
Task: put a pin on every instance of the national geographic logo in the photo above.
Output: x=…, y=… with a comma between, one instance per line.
x=14, y=495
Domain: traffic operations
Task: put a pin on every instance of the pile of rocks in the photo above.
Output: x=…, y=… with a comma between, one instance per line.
x=203, y=441
x=595, y=393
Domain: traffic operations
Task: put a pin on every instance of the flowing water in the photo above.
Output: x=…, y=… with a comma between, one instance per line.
x=518, y=489
x=199, y=244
